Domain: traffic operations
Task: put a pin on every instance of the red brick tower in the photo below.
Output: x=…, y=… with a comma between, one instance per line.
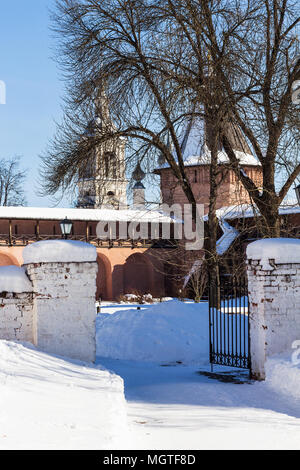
x=231, y=190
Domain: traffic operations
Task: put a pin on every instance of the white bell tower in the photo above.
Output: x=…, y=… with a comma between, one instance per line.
x=104, y=184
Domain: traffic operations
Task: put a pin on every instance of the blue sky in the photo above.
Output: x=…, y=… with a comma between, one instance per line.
x=33, y=87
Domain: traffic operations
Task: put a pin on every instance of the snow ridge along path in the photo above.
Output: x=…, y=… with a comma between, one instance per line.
x=49, y=402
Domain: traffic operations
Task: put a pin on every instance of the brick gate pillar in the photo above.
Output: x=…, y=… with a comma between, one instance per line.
x=63, y=275
x=274, y=299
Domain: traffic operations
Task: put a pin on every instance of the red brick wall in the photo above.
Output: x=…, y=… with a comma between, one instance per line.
x=230, y=191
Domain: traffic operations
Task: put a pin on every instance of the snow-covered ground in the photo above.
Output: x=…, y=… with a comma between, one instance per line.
x=50, y=402
x=169, y=331
x=177, y=408
x=47, y=402
x=173, y=406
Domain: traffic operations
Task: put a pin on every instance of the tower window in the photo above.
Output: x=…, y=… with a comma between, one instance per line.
x=110, y=164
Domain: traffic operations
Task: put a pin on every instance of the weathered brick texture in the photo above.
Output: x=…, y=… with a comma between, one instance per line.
x=16, y=313
x=64, y=308
x=274, y=301
x=59, y=316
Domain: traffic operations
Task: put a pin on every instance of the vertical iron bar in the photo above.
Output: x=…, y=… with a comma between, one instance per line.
x=239, y=302
x=244, y=310
x=228, y=318
x=217, y=326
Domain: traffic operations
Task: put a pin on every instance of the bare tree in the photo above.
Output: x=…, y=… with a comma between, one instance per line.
x=260, y=102
x=170, y=62
x=11, y=183
x=156, y=71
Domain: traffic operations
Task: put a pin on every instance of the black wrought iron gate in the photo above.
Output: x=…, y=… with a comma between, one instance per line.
x=229, y=322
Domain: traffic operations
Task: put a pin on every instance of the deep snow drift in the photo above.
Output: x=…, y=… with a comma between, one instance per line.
x=48, y=402
x=164, y=332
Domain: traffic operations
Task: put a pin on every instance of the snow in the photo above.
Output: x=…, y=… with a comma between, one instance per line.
x=242, y=211
x=282, y=250
x=64, y=251
x=279, y=367
x=177, y=408
x=248, y=210
x=194, y=269
x=96, y=215
x=14, y=279
x=48, y=402
x=173, y=406
x=228, y=237
x=245, y=159
x=165, y=332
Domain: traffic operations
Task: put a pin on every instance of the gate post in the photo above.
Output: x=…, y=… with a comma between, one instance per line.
x=63, y=275
x=257, y=328
x=274, y=300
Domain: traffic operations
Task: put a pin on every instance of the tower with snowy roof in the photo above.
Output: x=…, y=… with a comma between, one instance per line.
x=102, y=182
x=197, y=158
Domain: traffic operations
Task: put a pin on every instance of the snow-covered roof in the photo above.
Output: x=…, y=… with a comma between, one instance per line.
x=243, y=211
x=245, y=159
x=96, y=215
x=62, y=251
x=247, y=211
x=14, y=279
x=228, y=237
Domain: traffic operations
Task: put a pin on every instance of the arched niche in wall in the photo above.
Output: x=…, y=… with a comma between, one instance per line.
x=7, y=260
x=138, y=274
x=104, y=283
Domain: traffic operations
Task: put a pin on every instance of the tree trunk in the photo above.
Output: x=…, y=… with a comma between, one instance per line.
x=270, y=222
x=211, y=252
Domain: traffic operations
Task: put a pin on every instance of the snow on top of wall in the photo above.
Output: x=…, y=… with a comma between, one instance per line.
x=59, y=251
x=14, y=279
x=96, y=215
x=282, y=250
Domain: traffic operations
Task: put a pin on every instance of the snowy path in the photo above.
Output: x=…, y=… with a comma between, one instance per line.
x=176, y=408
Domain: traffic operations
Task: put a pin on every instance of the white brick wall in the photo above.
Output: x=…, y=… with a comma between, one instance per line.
x=16, y=311
x=274, y=297
x=64, y=308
